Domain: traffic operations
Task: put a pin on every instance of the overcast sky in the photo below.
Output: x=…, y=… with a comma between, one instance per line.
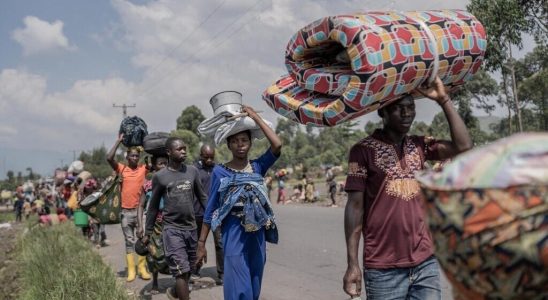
x=64, y=63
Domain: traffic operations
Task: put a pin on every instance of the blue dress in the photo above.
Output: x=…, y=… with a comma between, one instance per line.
x=244, y=252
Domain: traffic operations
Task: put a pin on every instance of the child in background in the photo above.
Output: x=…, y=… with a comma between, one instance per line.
x=158, y=163
x=61, y=215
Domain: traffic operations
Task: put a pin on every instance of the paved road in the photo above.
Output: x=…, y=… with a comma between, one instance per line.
x=308, y=263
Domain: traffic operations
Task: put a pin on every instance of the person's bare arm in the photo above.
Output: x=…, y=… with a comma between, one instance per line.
x=140, y=209
x=460, y=138
x=353, y=222
x=273, y=138
x=112, y=153
x=201, y=252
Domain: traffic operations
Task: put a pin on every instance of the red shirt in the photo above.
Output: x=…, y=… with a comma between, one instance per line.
x=132, y=184
x=395, y=230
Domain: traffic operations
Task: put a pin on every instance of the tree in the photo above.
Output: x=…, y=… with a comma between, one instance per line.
x=481, y=88
x=505, y=22
x=10, y=176
x=530, y=124
x=371, y=126
x=95, y=162
x=286, y=129
x=536, y=15
x=190, y=118
x=30, y=176
x=532, y=76
x=419, y=128
x=439, y=128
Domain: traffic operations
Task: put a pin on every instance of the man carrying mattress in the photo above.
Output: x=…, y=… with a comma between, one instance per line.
x=385, y=204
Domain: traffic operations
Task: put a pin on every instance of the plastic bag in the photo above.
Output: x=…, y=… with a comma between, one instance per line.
x=134, y=130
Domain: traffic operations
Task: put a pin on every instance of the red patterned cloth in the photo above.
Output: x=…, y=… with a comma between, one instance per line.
x=345, y=66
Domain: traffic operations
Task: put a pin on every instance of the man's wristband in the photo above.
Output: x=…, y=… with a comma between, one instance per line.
x=447, y=99
x=201, y=241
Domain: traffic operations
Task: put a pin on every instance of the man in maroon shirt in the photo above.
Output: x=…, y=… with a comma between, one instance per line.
x=385, y=204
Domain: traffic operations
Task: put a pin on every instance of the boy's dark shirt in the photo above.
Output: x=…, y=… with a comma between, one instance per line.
x=394, y=226
x=180, y=190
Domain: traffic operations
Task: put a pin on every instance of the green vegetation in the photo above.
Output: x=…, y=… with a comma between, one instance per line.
x=7, y=217
x=58, y=263
x=523, y=86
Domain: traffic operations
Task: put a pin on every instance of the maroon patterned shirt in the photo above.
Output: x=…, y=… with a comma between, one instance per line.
x=395, y=230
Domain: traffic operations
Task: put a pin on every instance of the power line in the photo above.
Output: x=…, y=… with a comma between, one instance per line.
x=190, y=56
x=73, y=154
x=188, y=36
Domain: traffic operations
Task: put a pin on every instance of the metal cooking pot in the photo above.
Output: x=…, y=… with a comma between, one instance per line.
x=227, y=101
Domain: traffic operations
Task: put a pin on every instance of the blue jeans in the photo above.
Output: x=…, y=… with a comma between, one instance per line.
x=421, y=282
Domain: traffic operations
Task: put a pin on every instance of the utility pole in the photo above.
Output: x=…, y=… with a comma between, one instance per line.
x=124, y=108
x=73, y=154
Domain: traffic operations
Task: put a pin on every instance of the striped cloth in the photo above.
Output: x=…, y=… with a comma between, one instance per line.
x=342, y=67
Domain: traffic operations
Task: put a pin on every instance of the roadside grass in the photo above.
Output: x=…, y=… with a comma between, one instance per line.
x=56, y=262
x=7, y=217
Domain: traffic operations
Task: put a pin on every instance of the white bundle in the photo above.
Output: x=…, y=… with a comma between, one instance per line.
x=223, y=125
x=76, y=167
x=228, y=118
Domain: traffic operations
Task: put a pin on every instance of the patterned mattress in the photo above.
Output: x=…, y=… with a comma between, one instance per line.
x=342, y=67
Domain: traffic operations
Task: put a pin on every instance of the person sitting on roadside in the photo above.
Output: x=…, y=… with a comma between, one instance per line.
x=297, y=193
x=43, y=217
x=61, y=215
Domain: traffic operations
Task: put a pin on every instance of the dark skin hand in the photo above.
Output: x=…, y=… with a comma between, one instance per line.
x=353, y=218
x=111, y=154
x=460, y=138
x=273, y=138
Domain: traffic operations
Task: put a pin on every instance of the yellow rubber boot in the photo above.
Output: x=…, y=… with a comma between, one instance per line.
x=141, y=268
x=130, y=267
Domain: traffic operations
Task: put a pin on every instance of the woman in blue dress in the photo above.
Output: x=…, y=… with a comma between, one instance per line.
x=238, y=202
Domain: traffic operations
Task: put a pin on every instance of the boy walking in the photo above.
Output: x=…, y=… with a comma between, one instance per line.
x=179, y=185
